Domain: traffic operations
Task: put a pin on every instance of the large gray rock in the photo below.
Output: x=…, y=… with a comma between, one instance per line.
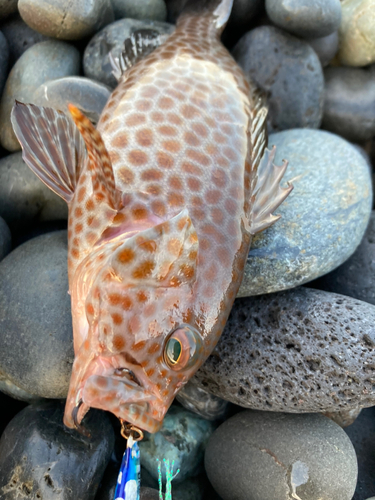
x=276, y=456
x=24, y=198
x=42, y=62
x=65, y=19
x=349, y=104
x=289, y=71
x=154, y=10
x=87, y=95
x=323, y=219
x=35, y=317
x=325, y=46
x=96, y=63
x=305, y=18
x=41, y=459
x=299, y=351
x=5, y=239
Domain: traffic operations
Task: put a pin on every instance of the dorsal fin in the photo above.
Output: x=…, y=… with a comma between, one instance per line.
x=100, y=165
x=51, y=146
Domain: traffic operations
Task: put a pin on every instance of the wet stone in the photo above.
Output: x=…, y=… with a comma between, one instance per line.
x=305, y=18
x=35, y=310
x=323, y=219
x=24, y=198
x=4, y=58
x=278, y=456
x=299, y=351
x=289, y=71
x=326, y=47
x=87, y=95
x=42, y=62
x=201, y=402
x=349, y=105
x=7, y=7
x=154, y=10
x=41, y=459
x=5, y=239
x=65, y=19
x=96, y=63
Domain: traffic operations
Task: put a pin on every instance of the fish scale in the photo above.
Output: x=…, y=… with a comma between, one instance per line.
x=164, y=198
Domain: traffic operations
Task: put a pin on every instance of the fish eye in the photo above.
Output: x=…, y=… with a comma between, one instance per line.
x=182, y=348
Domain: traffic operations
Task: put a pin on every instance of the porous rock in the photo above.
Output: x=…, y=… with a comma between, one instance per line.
x=326, y=47
x=87, y=95
x=5, y=239
x=42, y=62
x=305, y=18
x=96, y=63
x=65, y=19
x=35, y=317
x=24, y=198
x=322, y=221
x=278, y=456
x=40, y=458
x=289, y=71
x=154, y=10
x=299, y=351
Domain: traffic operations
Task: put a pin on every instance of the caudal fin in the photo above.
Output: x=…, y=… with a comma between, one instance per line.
x=219, y=10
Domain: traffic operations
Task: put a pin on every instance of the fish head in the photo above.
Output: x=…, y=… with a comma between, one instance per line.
x=144, y=340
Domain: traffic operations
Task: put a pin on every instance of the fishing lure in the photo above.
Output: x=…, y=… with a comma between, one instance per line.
x=129, y=478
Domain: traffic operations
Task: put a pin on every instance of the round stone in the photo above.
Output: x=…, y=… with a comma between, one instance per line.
x=201, y=402
x=349, y=104
x=323, y=219
x=289, y=71
x=4, y=57
x=42, y=62
x=65, y=19
x=344, y=418
x=7, y=7
x=276, y=456
x=35, y=317
x=149, y=494
x=154, y=10
x=357, y=34
x=325, y=46
x=24, y=198
x=356, y=277
x=87, y=95
x=40, y=458
x=305, y=18
x=299, y=351
x=96, y=63
x=5, y=238
x=20, y=37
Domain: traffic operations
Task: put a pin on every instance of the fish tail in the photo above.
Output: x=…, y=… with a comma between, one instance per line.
x=217, y=10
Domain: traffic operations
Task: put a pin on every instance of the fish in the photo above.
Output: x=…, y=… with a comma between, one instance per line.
x=164, y=196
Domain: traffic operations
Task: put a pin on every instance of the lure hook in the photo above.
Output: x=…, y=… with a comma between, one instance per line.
x=130, y=430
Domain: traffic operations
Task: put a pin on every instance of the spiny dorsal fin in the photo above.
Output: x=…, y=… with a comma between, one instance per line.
x=51, y=146
x=100, y=165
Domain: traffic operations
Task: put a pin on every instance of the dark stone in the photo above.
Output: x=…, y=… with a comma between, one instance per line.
x=154, y=10
x=96, y=64
x=356, y=277
x=41, y=459
x=35, y=317
x=349, y=106
x=299, y=351
x=42, y=62
x=149, y=494
x=9, y=409
x=87, y=95
x=305, y=18
x=289, y=71
x=325, y=46
x=203, y=403
x=65, y=19
x=269, y=456
x=362, y=435
x=20, y=37
x=7, y=7
x=5, y=239
x=4, y=58
x=344, y=418
x=24, y=198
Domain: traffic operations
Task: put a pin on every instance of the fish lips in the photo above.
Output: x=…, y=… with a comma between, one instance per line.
x=126, y=399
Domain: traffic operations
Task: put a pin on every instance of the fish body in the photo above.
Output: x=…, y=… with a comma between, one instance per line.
x=162, y=208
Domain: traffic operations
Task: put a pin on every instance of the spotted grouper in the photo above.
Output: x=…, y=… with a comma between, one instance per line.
x=164, y=197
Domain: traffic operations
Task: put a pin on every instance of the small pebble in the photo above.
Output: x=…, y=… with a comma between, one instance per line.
x=305, y=18
x=41, y=459
x=87, y=95
x=42, y=62
x=278, y=456
x=201, y=402
x=5, y=238
x=326, y=47
x=290, y=72
x=24, y=198
x=299, y=351
x=35, y=310
x=7, y=7
x=357, y=34
x=344, y=418
x=4, y=58
x=154, y=10
x=65, y=19
x=96, y=63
